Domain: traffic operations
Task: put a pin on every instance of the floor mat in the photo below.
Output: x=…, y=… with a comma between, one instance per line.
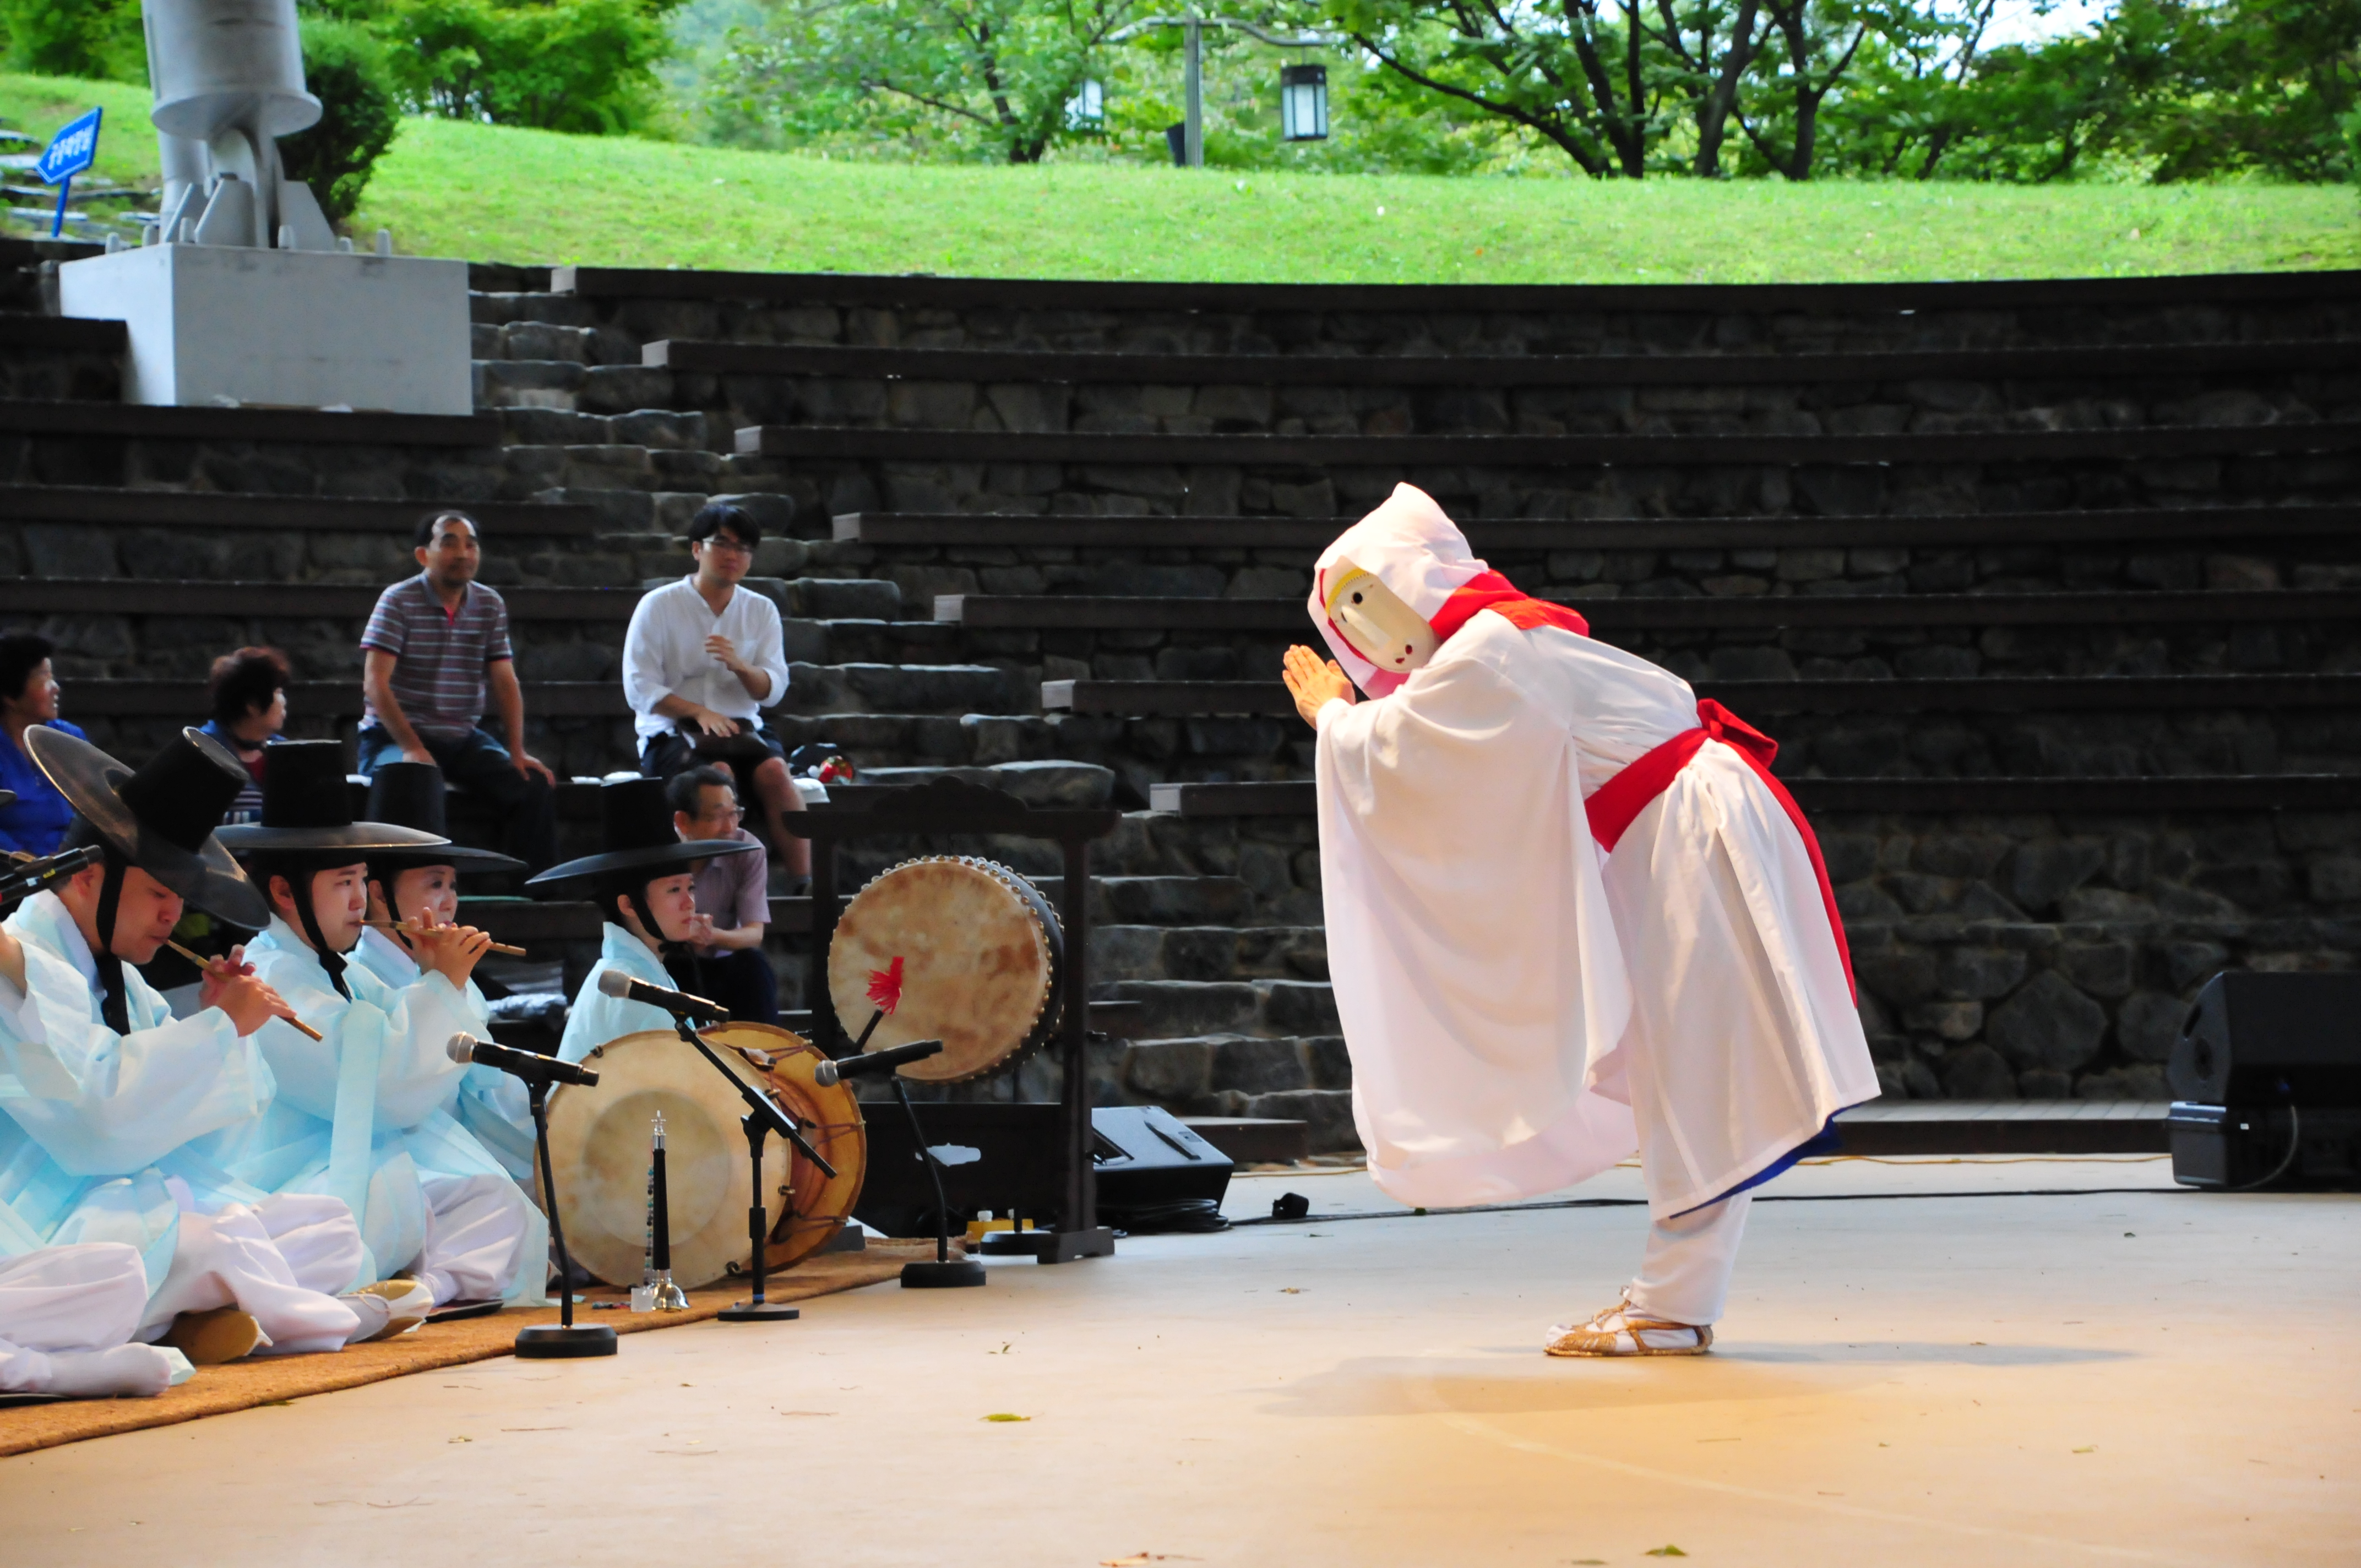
x=240, y=1385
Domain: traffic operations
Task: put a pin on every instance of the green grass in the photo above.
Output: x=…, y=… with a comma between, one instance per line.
x=527, y=196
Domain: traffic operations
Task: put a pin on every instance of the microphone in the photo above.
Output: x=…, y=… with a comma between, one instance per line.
x=614, y=982
x=875, y=1063
x=530, y=1065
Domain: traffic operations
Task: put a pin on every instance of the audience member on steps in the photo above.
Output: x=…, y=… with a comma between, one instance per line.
x=733, y=903
x=435, y=651
x=701, y=659
x=34, y=821
x=249, y=695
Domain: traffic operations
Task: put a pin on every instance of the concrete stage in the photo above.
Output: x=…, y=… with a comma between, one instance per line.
x=1952, y=1376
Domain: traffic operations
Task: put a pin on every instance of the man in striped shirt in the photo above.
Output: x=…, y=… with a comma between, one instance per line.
x=436, y=647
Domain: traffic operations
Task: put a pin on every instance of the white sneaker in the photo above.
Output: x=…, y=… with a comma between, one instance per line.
x=388, y=1309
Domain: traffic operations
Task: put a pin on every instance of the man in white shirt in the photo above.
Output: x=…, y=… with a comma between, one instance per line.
x=700, y=662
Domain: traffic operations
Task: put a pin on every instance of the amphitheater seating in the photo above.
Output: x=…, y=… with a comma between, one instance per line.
x=2050, y=590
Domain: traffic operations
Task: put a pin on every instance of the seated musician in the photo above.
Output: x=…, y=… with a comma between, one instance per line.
x=643, y=882
x=419, y=887
x=67, y=1317
x=115, y=1117
x=365, y=1113
x=733, y=903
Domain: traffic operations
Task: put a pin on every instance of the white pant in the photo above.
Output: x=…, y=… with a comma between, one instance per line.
x=278, y=1261
x=66, y=1313
x=1684, y=1275
x=475, y=1227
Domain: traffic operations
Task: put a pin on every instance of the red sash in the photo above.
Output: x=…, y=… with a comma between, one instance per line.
x=1616, y=803
x=1489, y=590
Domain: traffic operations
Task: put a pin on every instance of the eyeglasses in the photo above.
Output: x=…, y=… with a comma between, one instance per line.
x=726, y=814
x=725, y=542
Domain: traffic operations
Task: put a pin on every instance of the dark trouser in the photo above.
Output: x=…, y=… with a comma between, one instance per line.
x=661, y=756
x=481, y=766
x=743, y=982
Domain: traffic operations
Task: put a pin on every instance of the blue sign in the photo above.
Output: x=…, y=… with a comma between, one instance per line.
x=70, y=151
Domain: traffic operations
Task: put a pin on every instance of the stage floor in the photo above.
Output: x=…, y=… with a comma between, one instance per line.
x=1953, y=1376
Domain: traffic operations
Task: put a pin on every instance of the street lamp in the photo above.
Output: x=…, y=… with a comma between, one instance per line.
x=1193, y=76
x=1303, y=102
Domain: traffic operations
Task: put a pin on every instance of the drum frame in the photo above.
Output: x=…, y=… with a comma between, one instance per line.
x=947, y=808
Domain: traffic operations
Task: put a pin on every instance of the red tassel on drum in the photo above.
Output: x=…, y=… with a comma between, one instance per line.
x=885, y=986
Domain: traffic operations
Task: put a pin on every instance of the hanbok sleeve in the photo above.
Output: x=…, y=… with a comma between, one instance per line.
x=102, y=1103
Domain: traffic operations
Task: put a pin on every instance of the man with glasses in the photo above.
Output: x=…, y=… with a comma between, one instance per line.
x=435, y=651
x=701, y=661
x=733, y=903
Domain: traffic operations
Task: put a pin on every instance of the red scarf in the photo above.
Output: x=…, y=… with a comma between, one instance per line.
x=1489, y=590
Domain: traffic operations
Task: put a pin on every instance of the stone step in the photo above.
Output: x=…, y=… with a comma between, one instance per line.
x=1995, y=794
x=2001, y=694
x=1223, y=952
x=1306, y=1078
x=2243, y=528
x=150, y=422
x=1000, y=367
x=1722, y=442
x=1264, y=1008
x=1265, y=318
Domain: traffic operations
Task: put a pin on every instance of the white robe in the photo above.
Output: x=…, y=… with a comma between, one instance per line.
x=596, y=1018
x=1521, y=1011
x=364, y=1114
x=116, y=1138
x=67, y=1315
x=493, y=1105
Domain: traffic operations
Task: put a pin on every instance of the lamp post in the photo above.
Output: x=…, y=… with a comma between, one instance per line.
x=1192, y=71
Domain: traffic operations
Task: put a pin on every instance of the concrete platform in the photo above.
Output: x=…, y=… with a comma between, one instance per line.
x=1916, y=1369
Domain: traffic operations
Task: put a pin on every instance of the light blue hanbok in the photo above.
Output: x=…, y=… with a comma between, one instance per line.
x=596, y=1017
x=98, y=1125
x=366, y=1114
x=493, y=1105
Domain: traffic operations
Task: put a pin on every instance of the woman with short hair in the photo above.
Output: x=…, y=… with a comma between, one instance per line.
x=34, y=822
x=249, y=698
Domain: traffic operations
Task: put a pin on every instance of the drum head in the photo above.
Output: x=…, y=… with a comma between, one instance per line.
x=980, y=951
x=598, y=1146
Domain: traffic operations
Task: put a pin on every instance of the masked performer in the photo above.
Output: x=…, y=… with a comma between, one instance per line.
x=119, y=1118
x=365, y=1113
x=645, y=882
x=1569, y=911
x=420, y=887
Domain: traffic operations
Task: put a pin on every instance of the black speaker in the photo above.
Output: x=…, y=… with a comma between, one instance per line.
x=2265, y=1082
x=1154, y=1173
x=2256, y=1038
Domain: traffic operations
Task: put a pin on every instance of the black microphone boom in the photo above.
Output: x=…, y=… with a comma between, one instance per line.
x=22, y=879
x=530, y=1065
x=614, y=982
x=874, y=1062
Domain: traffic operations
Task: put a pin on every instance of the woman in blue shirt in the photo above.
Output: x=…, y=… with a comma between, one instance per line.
x=249, y=693
x=37, y=819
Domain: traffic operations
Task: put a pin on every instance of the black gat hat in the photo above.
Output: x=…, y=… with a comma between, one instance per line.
x=411, y=795
x=162, y=816
x=635, y=824
x=307, y=809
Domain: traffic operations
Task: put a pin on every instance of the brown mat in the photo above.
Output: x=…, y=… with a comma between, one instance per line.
x=240, y=1385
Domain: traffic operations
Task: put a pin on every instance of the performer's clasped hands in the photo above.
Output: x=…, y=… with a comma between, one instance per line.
x=1313, y=681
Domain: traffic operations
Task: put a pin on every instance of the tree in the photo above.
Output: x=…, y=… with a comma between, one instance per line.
x=347, y=71
x=987, y=79
x=101, y=39
x=586, y=66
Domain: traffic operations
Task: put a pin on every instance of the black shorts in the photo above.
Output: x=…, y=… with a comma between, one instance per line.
x=661, y=756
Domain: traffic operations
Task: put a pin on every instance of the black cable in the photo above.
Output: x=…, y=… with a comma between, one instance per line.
x=2295, y=1142
x=1643, y=1203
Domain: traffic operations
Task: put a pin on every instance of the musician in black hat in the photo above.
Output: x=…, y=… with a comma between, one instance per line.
x=365, y=1113
x=419, y=887
x=645, y=883
x=119, y=1119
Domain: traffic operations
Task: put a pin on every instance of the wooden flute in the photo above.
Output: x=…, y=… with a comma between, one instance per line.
x=202, y=962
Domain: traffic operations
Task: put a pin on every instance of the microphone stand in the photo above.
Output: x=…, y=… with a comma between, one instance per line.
x=562, y=1339
x=761, y=1119
x=942, y=1274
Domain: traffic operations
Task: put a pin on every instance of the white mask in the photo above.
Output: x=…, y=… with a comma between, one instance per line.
x=1394, y=638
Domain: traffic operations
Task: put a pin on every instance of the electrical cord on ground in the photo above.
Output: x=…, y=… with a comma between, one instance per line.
x=2295, y=1142
x=1643, y=1203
